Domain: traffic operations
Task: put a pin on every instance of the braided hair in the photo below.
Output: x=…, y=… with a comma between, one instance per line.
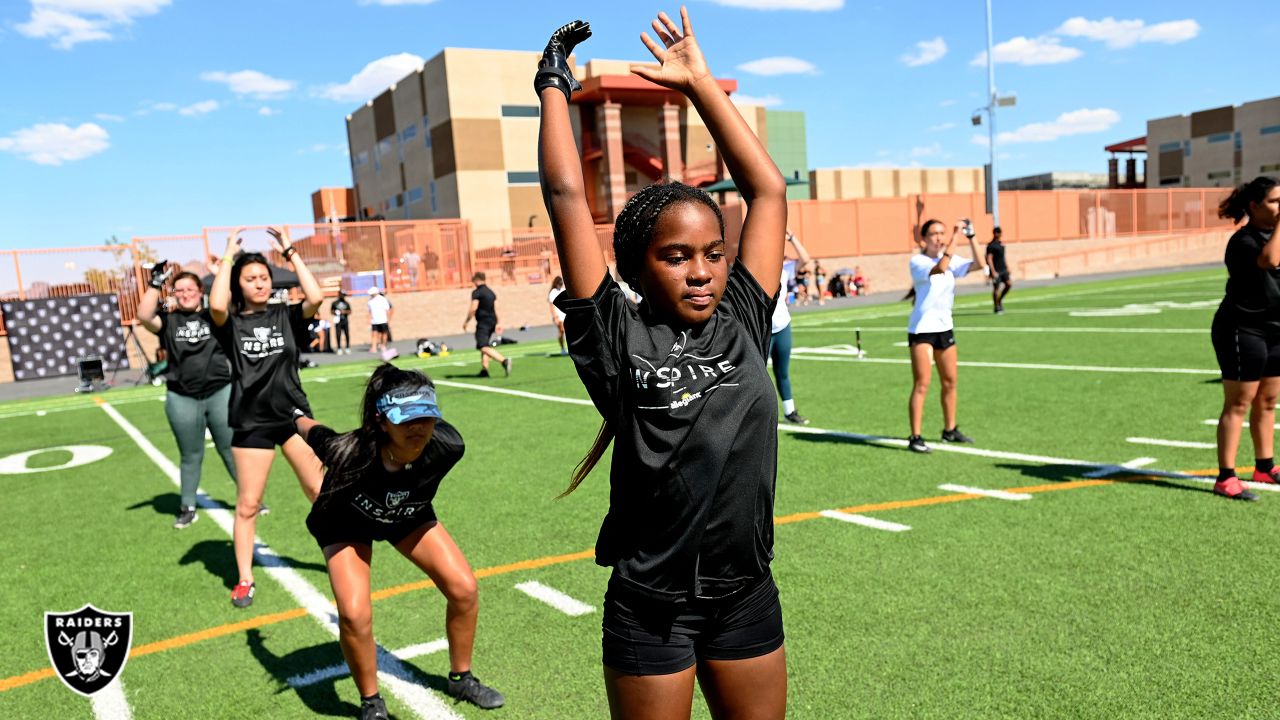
x=632, y=233
x=1236, y=205
x=633, y=230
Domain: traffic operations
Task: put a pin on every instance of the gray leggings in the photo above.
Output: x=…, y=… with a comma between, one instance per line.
x=189, y=417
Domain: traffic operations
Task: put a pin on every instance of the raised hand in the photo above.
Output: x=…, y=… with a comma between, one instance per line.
x=680, y=58
x=280, y=238
x=553, y=68
x=233, y=243
x=160, y=272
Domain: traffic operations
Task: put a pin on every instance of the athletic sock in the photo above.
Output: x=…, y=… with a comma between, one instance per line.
x=1225, y=472
x=458, y=676
x=788, y=406
x=371, y=698
x=1264, y=465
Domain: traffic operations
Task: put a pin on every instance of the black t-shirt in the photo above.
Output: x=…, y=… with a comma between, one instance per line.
x=1253, y=295
x=384, y=503
x=264, y=353
x=485, y=312
x=198, y=365
x=341, y=310
x=696, y=451
x=995, y=249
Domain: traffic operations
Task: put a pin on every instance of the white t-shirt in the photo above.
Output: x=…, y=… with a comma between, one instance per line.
x=551, y=298
x=379, y=306
x=935, y=294
x=781, y=315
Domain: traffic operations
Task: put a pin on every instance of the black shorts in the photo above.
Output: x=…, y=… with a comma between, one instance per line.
x=265, y=437
x=331, y=528
x=1000, y=278
x=939, y=340
x=643, y=636
x=484, y=333
x=1244, y=356
x=379, y=327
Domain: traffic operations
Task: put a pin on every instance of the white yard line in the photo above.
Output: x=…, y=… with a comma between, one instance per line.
x=827, y=355
x=393, y=673
x=865, y=521
x=109, y=703
x=340, y=669
x=997, y=494
x=556, y=599
x=1021, y=329
x=1171, y=443
x=1113, y=469
x=515, y=393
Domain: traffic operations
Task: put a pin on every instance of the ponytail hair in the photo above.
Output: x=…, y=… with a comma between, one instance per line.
x=1236, y=205
x=603, y=438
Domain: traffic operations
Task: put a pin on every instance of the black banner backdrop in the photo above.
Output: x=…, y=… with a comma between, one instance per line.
x=47, y=336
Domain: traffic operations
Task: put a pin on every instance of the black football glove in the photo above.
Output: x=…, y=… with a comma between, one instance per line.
x=160, y=273
x=553, y=68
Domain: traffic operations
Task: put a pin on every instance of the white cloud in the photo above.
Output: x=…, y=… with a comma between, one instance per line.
x=200, y=108
x=1126, y=33
x=54, y=144
x=761, y=100
x=941, y=126
x=784, y=65
x=267, y=112
x=251, y=82
x=67, y=23
x=373, y=78
x=883, y=153
x=1076, y=122
x=927, y=51
x=949, y=103
x=108, y=117
x=926, y=150
x=1044, y=50
x=811, y=5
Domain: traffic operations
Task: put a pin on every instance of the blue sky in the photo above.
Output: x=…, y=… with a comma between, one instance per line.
x=154, y=117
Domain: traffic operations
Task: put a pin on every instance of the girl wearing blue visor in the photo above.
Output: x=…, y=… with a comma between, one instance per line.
x=379, y=482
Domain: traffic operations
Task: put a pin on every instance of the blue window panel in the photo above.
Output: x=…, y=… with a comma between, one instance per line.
x=409, y=133
x=432, y=187
x=415, y=195
x=522, y=178
x=1269, y=130
x=426, y=130
x=1219, y=137
x=1170, y=146
x=526, y=111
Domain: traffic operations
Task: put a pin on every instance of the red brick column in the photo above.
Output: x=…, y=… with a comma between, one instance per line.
x=609, y=125
x=669, y=127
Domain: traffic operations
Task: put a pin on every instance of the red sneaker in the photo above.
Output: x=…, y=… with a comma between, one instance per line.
x=242, y=594
x=1234, y=489
x=1271, y=478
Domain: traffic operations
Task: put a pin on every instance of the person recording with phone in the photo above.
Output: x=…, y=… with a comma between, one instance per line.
x=260, y=338
x=930, y=329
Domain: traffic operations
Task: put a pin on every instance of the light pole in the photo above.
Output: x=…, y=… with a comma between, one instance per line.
x=993, y=101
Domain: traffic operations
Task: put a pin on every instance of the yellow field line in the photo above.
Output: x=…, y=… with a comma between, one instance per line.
x=222, y=630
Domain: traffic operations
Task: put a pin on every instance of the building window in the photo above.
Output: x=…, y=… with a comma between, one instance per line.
x=527, y=111
x=384, y=146
x=426, y=131
x=1239, y=141
x=362, y=158
x=1220, y=137
x=414, y=196
x=1269, y=130
x=1275, y=167
x=1177, y=180
x=1220, y=175
x=432, y=188
x=522, y=178
x=1170, y=146
x=409, y=133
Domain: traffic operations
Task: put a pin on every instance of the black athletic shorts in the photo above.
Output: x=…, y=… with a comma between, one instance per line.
x=379, y=327
x=264, y=438
x=330, y=528
x=1001, y=278
x=1244, y=356
x=939, y=340
x=643, y=636
x=484, y=333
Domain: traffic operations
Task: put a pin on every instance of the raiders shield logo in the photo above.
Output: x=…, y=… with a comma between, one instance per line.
x=88, y=647
x=395, y=498
x=263, y=334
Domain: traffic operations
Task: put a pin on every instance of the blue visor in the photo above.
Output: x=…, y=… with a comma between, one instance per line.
x=410, y=403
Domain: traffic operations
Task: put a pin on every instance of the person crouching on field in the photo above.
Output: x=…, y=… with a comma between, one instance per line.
x=379, y=483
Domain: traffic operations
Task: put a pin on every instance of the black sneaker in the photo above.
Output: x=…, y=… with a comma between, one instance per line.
x=470, y=688
x=484, y=372
x=955, y=436
x=186, y=516
x=374, y=709
x=915, y=444
x=263, y=510
x=796, y=418
x=506, y=366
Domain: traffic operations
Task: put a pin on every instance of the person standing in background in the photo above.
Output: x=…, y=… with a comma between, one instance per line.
x=341, y=310
x=379, y=320
x=1000, y=284
x=484, y=308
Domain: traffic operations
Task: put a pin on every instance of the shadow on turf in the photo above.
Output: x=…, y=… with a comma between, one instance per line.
x=321, y=697
x=218, y=559
x=167, y=504
x=1072, y=473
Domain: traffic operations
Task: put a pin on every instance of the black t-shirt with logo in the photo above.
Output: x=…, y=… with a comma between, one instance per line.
x=995, y=249
x=696, y=448
x=341, y=310
x=384, y=505
x=1252, y=301
x=264, y=362
x=485, y=312
x=198, y=364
